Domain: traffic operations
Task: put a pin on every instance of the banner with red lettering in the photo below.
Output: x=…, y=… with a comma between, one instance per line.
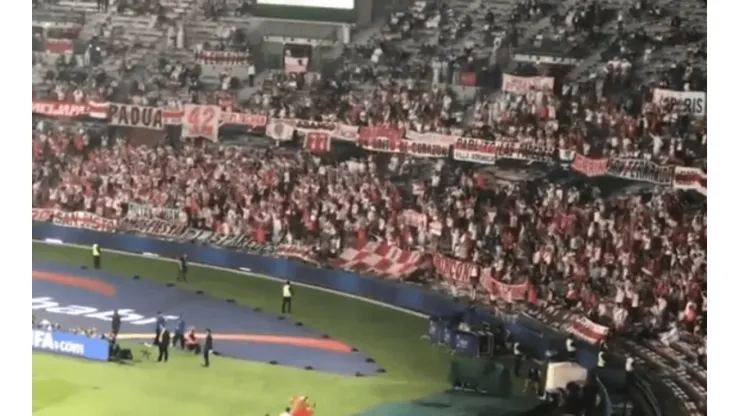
x=222, y=58
x=521, y=85
x=589, y=166
x=436, y=138
x=247, y=119
x=78, y=219
x=475, y=151
x=587, y=330
x=201, y=121
x=693, y=179
x=456, y=271
x=406, y=147
x=59, y=109
x=317, y=143
x=503, y=291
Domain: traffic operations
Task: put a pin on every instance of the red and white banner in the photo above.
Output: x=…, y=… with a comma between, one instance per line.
x=641, y=170
x=690, y=179
x=78, y=219
x=59, y=109
x=222, y=58
x=59, y=46
x=475, y=151
x=589, y=166
x=691, y=102
x=280, y=130
x=587, y=330
x=381, y=258
x=503, y=291
x=317, y=143
x=468, y=79
x=339, y=131
x=201, y=121
x=169, y=117
x=297, y=251
x=435, y=138
x=390, y=140
x=129, y=115
x=521, y=85
x=295, y=65
x=250, y=120
x=406, y=147
x=456, y=271
x=42, y=214
x=414, y=219
x=510, y=149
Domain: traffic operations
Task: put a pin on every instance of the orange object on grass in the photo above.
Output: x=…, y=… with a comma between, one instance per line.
x=300, y=407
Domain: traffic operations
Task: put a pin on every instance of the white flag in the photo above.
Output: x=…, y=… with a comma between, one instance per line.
x=279, y=130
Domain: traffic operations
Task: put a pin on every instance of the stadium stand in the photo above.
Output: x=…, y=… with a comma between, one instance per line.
x=551, y=154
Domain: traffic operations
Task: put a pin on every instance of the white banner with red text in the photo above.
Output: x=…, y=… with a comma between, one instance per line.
x=222, y=58
x=391, y=140
x=587, y=330
x=688, y=102
x=201, y=121
x=693, y=179
x=79, y=219
x=521, y=85
x=460, y=272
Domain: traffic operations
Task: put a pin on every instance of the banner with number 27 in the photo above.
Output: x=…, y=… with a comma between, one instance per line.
x=201, y=121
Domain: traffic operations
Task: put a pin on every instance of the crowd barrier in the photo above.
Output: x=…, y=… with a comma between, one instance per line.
x=65, y=343
x=537, y=339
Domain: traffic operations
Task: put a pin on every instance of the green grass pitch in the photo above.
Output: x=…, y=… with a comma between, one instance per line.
x=415, y=369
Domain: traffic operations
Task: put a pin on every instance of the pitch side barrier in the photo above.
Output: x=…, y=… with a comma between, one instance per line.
x=66, y=343
x=420, y=302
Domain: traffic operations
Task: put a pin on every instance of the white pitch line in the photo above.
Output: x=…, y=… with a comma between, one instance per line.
x=246, y=272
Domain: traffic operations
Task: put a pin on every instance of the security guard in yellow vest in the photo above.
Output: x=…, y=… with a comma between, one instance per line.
x=96, y=255
x=287, y=297
x=518, y=356
x=601, y=363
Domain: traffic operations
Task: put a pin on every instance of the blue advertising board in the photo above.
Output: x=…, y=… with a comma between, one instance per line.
x=65, y=343
x=413, y=298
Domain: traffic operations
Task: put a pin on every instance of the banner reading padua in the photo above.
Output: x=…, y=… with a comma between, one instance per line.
x=201, y=121
x=135, y=116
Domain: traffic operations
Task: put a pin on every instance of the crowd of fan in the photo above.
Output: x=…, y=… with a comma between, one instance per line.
x=637, y=258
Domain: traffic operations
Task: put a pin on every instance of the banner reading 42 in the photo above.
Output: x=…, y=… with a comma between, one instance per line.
x=201, y=121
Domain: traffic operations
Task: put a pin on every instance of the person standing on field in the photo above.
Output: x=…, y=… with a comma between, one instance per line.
x=182, y=272
x=96, y=255
x=207, y=349
x=287, y=297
